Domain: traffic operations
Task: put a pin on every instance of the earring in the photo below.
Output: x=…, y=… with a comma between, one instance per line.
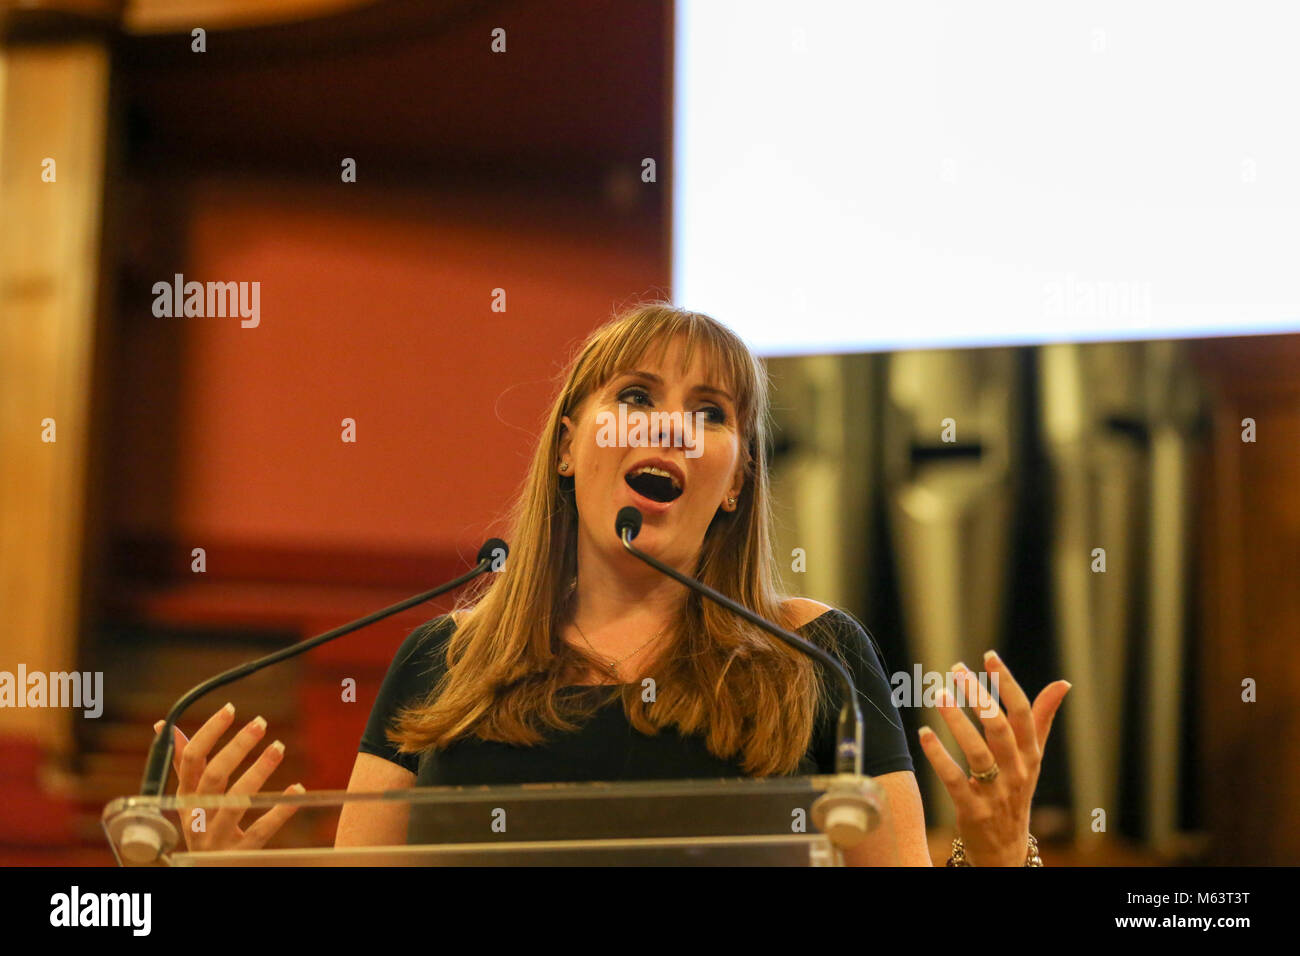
x=564, y=466
x=731, y=502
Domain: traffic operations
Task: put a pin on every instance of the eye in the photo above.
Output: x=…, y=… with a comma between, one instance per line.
x=717, y=416
x=635, y=392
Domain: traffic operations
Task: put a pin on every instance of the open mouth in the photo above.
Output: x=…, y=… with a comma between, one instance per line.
x=654, y=483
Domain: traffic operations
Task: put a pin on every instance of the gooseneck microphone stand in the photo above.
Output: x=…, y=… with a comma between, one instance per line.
x=148, y=833
x=847, y=811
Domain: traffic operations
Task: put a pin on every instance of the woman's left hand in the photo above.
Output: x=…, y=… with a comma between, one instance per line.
x=993, y=816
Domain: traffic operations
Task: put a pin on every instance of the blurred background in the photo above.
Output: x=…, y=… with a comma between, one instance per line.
x=440, y=199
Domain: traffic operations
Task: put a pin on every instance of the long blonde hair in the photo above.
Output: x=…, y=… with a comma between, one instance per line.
x=745, y=691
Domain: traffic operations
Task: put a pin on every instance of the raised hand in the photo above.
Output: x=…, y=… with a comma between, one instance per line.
x=198, y=775
x=993, y=812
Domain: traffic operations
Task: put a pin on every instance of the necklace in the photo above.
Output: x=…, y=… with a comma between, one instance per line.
x=610, y=663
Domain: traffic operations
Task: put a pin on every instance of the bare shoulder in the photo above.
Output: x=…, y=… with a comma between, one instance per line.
x=802, y=610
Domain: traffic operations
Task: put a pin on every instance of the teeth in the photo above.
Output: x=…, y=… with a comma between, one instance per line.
x=651, y=470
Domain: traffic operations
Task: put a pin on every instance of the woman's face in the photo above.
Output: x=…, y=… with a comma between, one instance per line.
x=683, y=427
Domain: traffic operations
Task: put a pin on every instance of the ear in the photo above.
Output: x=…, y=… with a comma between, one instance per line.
x=737, y=483
x=566, y=440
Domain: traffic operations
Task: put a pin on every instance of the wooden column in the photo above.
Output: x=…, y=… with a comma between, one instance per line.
x=1251, y=602
x=53, y=106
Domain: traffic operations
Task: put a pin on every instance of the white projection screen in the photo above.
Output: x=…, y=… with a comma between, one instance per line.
x=864, y=176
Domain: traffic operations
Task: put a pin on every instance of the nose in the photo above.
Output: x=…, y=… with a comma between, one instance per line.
x=669, y=429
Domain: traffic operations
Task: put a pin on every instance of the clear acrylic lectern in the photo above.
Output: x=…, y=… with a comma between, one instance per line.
x=773, y=821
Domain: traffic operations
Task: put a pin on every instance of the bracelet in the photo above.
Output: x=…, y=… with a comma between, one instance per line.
x=958, y=857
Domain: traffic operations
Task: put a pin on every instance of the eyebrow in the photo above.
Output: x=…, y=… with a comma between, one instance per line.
x=712, y=389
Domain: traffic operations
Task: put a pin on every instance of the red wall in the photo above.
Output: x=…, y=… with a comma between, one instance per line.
x=375, y=307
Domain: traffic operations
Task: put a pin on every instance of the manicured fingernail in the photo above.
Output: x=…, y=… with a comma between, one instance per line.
x=258, y=722
x=298, y=788
x=924, y=731
x=1068, y=685
x=992, y=656
x=229, y=709
x=157, y=727
x=277, y=747
x=959, y=666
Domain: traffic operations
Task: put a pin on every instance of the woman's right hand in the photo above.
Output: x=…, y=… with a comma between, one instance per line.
x=198, y=775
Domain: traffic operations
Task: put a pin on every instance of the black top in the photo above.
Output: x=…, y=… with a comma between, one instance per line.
x=607, y=747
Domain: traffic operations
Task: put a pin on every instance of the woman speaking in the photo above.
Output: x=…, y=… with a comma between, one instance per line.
x=578, y=662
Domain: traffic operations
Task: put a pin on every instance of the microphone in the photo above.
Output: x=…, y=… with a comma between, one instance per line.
x=847, y=811
x=142, y=832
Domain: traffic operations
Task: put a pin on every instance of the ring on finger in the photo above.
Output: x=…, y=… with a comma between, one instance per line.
x=986, y=776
